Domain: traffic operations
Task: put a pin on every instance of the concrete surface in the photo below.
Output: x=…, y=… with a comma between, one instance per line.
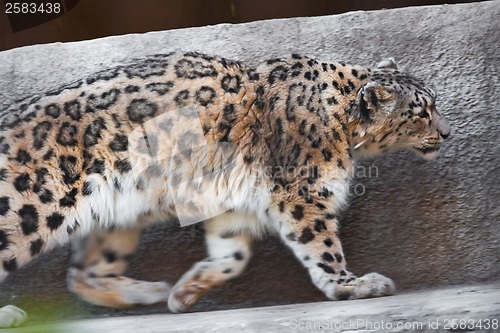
x=460, y=309
x=422, y=223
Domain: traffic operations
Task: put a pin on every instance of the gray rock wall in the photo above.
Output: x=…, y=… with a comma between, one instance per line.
x=421, y=223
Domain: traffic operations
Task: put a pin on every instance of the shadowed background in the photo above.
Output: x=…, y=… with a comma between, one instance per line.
x=88, y=19
x=421, y=223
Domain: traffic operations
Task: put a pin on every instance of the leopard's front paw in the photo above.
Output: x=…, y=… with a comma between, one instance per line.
x=181, y=299
x=12, y=316
x=373, y=285
x=368, y=286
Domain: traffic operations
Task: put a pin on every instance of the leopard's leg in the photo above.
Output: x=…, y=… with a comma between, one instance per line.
x=23, y=237
x=308, y=225
x=228, y=255
x=98, y=267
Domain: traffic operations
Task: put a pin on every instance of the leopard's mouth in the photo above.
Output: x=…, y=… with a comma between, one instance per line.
x=427, y=151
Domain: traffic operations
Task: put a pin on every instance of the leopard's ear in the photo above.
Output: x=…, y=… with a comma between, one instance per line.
x=372, y=98
x=388, y=64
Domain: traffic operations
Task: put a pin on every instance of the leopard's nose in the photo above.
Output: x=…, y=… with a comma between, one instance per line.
x=443, y=128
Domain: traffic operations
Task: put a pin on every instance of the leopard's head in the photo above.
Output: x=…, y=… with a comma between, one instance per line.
x=395, y=110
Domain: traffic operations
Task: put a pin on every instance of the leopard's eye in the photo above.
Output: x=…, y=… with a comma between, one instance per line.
x=423, y=114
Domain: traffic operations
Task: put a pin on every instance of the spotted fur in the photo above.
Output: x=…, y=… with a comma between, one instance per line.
x=189, y=136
